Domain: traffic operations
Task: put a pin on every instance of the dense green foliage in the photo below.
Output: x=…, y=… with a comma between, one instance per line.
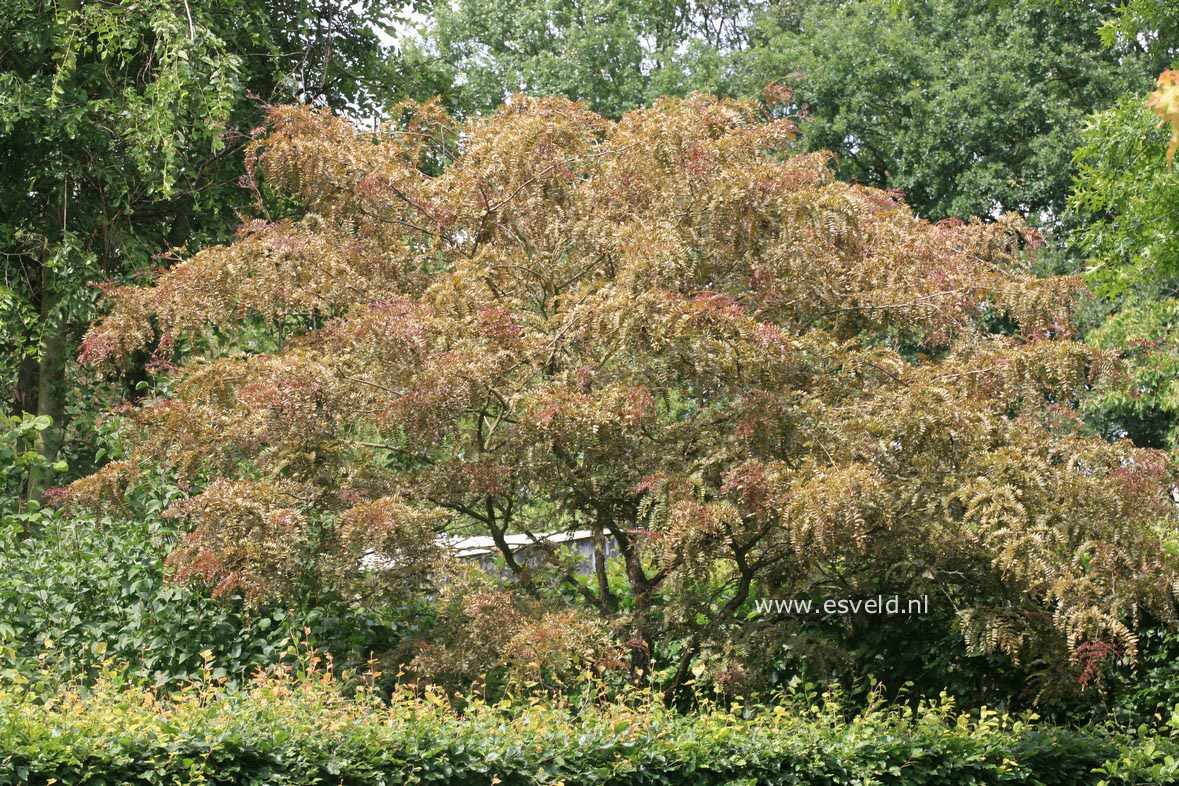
x=1126, y=203
x=81, y=596
x=306, y=733
x=1125, y=209
x=1147, y=26
x=970, y=109
x=18, y=459
x=615, y=54
x=121, y=129
x=1145, y=407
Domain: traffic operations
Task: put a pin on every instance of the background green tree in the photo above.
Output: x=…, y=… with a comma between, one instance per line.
x=1124, y=209
x=121, y=127
x=969, y=109
x=616, y=54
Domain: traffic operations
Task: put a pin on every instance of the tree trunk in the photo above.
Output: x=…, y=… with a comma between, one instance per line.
x=24, y=398
x=51, y=385
x=51, y=374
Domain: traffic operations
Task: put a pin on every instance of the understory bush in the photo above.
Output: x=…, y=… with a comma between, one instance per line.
x=303, y=731
x=81, y=596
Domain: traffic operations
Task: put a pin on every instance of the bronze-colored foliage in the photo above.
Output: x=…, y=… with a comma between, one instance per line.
x=1164, y=102
x=759, y=381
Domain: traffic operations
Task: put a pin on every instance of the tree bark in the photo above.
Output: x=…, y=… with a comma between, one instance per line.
x=24, y=397
x=51, y=386
x=54, y=349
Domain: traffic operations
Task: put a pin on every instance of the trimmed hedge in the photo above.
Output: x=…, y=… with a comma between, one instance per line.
x=301, y=732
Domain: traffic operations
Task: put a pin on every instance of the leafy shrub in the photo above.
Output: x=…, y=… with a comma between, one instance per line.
x=296, y=732
x=482, y=636
x=19, y=458
x=1144, y=756
x=1147, y=693
x=82, y=595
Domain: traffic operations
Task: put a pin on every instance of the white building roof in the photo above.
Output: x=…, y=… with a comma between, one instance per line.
x=467, y=546
x=480, y=545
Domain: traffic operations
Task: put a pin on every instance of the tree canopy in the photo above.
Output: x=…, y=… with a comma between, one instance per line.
x=759, y=381
x=969, y=109
x=616, y=54
x=121, y=131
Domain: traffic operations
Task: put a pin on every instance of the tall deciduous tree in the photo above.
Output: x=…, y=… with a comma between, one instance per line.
x=970, y=109
x=121, y=127
x=1125, y=202
x=758, y=381
x=616, y=54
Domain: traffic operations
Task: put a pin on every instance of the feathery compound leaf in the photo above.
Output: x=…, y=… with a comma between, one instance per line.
x=706, y=356
x=1164, y=101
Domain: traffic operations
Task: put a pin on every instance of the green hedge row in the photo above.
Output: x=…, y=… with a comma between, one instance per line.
x=283, y=731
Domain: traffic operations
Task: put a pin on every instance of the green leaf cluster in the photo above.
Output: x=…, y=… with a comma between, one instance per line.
x=1125, y=203
x=80, y=597
x=1144, y=406
x=19, y=458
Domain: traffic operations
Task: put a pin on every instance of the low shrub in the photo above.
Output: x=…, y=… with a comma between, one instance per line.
x=280, y=730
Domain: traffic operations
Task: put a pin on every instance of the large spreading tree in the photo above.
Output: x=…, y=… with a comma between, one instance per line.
x=758, y=381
